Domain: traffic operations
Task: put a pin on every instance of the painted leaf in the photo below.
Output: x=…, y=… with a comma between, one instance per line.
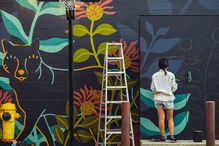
x=67, y=109
x=53, y=45
x=81, y=55
x=99, y=76
x=63, y=122
x=127, y=33
x=83, y=136
x=162, y=31
x=210, y=4
x=29, y=4
x=149, y=28
x=13, y=26
x=79, y=30
x=89, y=122
x=1, y=57
x=102, y=48
x=143, y=45
x=146, y=97
x=160, y=7
x=53, y=8
x=105, y=29
x=180, y=101
x=4, y=83
x=147, y=127
x=59, y=135
x=174, y=66
x=131, y=82
x=163, y=45
x=75, y=114
x=180, y=122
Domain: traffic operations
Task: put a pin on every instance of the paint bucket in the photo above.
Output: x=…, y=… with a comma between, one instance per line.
x=197, y=136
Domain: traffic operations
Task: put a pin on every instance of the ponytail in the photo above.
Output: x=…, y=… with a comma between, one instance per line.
x=163, y=64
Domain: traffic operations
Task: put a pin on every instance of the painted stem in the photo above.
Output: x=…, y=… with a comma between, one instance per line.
x=92, y=43
x=34, y=23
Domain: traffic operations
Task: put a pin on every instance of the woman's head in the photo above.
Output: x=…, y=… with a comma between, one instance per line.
x=163, y=64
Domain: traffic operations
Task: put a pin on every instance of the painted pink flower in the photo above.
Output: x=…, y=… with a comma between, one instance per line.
x=131, y=56
x=5, y=97
x=93, y=10
x=88, y=100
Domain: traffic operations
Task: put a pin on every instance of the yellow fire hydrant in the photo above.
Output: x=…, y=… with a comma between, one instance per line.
x=8, y=115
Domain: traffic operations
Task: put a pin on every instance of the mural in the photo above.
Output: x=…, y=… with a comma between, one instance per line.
x=183, y=44
x=34, y=73
x=33, y=79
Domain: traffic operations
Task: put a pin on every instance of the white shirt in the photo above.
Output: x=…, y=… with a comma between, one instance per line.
x=163, y=86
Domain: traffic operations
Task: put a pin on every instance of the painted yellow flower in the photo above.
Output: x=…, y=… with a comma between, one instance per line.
x=93, y=11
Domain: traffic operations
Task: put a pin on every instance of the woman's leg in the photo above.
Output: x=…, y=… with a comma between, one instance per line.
x=161, y=118
x=170, y=121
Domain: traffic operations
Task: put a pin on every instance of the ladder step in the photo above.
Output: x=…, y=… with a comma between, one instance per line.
x=112, y=143
x=116, y=87
x=112, y=117
x=115, y=73
x=114, y=58
x=114, y=131
x=116, y=102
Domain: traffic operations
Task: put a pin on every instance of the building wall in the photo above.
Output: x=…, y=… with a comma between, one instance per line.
x=43, y=93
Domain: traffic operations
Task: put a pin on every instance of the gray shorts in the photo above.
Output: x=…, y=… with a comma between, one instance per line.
x=164, y=104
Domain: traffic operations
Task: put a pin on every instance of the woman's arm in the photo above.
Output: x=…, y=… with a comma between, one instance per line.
x=174, y=84
x=152, y=85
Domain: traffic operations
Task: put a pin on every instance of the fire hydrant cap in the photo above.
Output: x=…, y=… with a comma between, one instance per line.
x=8, y=106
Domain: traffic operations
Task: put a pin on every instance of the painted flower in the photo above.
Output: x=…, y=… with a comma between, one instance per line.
x=88, y=100
x=5, y=97
x=131, y=56
x=93, y=10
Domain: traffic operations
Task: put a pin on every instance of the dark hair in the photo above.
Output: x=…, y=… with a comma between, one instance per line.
x=163, y=64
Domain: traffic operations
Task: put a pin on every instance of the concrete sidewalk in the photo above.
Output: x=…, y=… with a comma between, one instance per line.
x=178, y=143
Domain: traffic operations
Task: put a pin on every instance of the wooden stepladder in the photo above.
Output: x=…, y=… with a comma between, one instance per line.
x=114, y=92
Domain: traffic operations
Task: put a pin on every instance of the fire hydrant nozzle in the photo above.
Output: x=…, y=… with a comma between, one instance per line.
x=8, y=115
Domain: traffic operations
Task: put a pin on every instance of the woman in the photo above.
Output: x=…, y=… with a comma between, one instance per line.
x=163, y=85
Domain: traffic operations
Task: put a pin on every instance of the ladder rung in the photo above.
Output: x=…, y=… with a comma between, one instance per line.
x=114, y=58
x=115, y=87
x=115, y=73
x=113, y=143
x=116, y=102
x=112, y=117
x=114, y=131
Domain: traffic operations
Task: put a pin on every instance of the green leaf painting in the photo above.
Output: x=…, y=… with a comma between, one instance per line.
x=102, y=48
x=1, y=57
x=29, y=4
x=13, y=26
x=79, y=30
x=180, y=101
x=4, y=83
x=83, y=136
x=180, y=122
x=81, y=55
x=63, y=122
x=146, y=96
x=105, y=29
x=147, y=127
x=53, y=8
x=53, y=45
x=89, y=122
x=59, y=135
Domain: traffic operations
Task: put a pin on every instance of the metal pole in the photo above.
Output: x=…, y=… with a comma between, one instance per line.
x=210, y=123
x=125, y=136
x=70, y=17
